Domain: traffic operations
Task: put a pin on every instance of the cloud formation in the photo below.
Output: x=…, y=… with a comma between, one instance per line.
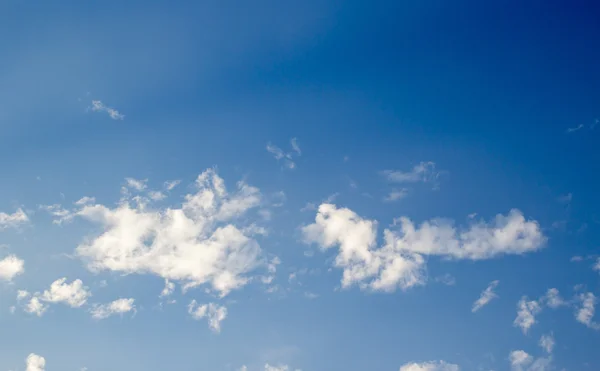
x=430, y=366
x=119, y=306
x=287, y=157
x=13, y=220
x=400, y=261
x=98, y=106
x=486, y=296
x=10, y=267
x=35, y=363
x=213, y=312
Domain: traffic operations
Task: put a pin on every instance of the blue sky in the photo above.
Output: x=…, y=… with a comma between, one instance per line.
x=316, y=185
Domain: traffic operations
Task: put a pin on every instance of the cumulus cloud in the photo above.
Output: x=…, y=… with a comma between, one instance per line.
x=213, y=312
x=430, y=366
x=13, y=220
x=553, y=299
x=33, y=362
x=196, y=244
x=119, y=306
x=168, y=290
x=526, y=312
x=586, y=309
x=486, y=296
x=400, y=261
x=10, y=267
x=98, y=106
x=73, y=294
x=522, y=361
x=287, y=157
x=547, y=343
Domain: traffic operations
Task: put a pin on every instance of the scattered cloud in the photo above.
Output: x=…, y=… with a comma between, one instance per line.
x=430, y=366
x=552, y=299
x=13, y=220
x=213, y=312
x=10, y=267
x=585, y=311
x=59, y=214
x=522, y=361
x=486, y=296
x=547, y=343
x=74, y=294
x=119, y=306
x=446, y=279
x=574, y=129
x=287, y=157
x=195, y=244
x=526, y=312
x=396, y=194
x=136, y=184
x=98, y=106
x=33, y=362
x=400, y=261
x=423, y=172
x=171, y=184
x=168, y=290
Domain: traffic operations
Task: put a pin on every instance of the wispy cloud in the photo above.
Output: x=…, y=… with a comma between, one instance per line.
x=486, y=296
x=574, y=129
x=425, y=172
x=396, y=194
x=287, y=157
x=98, y=106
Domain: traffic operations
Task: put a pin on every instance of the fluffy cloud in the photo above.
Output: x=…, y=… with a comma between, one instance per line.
x=10, y=267
x=98, y=106
x=400, y=261
x=526, y=312
x=196, y=244
x=215, y=314
x=13, y=220
x=585, y=313
x=522, y=361
x=119, y=306
x=168, y=290
x=35, y=363
x=553, y=299
x=486, y=296
x=547, y=343
x=430, y=366
x=74, y=294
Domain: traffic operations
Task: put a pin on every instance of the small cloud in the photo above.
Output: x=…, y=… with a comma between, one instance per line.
x=310, y=295
x=486, y=296
x=576, y=259
x=169, y=185
x=138, y=185
x=287, y=157
x=396, y=194
x=98, y=106
x=547, y=343
x=119, y=306
x=574, y=129
x=215, y=314
x=446, y=279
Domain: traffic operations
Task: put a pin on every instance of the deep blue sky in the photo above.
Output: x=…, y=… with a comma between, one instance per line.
x=488, y=91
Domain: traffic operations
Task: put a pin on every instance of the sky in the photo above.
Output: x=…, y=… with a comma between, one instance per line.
x=316, y=185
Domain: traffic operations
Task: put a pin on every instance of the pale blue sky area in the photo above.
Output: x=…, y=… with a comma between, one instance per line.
x=325, y=185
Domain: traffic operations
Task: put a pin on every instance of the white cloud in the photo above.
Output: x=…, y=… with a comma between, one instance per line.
x=547, y=343
x=400, y=261
x=193, y=244
x=553, y=299
x=119, y=306
x=519, y=359
x=168, y=290
x=522, y=361
x=574, y=129
x=60, y=214
x=35, y=306
x=486, y=296
x=171, y=184
x=10, y=267
x=13, y=220
x=136, y=184
x=596, y=266
x=396, y=194
x=214, y=313
x=422, y=172
x=446, y=279
x=98, y=106
x=35, y=363
x=527, y=310
x=430, y=366
x=287, y=157
x=585, y=312
x=74, y=294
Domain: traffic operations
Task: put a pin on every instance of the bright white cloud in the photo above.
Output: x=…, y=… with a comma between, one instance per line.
x=74, y=294
x=35, y=306
x=168, y=290
x=526, y=312
x=486, y=296
x=13, y=220
x=119, y=306
x=430, y=366
x=553, y=299
x=98, y=106
x=547, y=343
x=400, y=261
x=85, y=200
x=193, y=244
x=585, y=312
x=519, y=359
x=35, y=363
x=213, y=312
x=10, y=267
